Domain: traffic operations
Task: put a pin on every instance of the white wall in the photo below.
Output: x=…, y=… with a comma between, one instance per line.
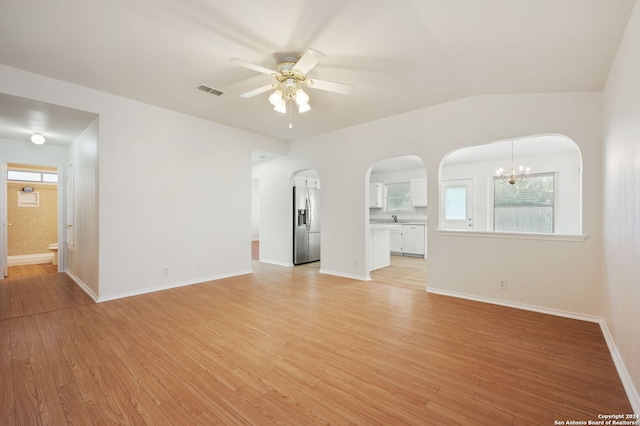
x=83, y=156
x=556, y=275
x=276, y=238
x=621, y=294
x=255, y=209
x=567, y=201
x=174, y=190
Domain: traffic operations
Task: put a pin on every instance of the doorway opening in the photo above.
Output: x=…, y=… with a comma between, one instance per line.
x=31, y=206
x=397, y=218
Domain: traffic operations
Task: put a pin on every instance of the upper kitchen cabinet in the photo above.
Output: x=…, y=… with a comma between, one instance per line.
x=306, y=182
x=419, y=192
x=376, y=195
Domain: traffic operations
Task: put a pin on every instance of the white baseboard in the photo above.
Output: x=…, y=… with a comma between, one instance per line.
x=625, y=378
x=83, y=286
x=534, y=308
x=29, y=259
x=169, y=286
x=340, y=274
x=276, y=262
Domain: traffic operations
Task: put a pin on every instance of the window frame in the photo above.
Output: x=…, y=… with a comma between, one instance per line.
x=38, y=176
x=492, y=206
x=407, y=197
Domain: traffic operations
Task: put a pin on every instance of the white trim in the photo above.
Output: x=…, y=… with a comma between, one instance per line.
x=625, y=378
x=524, y=306
x=340, y=274
x=276, y=262
x=30, y=259
x=170, y=286
x=83, y=286
x=512, y=235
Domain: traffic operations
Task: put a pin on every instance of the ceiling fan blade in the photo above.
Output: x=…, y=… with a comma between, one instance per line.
x=251, y=66
x=331, y=86
x=257, y=91
x=308, y=61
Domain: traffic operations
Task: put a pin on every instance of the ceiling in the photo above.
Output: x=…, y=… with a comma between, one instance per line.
x=23, y=117
x=399, y=56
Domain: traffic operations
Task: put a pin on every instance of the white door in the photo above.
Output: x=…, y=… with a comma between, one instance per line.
x=456, y=207
x=70, y=207
x=4, y=248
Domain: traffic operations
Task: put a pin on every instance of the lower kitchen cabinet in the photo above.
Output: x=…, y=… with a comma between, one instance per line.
x=395, y=240
x=413, y=240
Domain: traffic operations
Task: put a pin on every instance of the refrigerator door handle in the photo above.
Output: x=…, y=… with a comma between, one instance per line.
x=307, y=208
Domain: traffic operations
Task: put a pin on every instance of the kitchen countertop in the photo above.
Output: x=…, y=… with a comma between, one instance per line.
x=382, y=225
x=396, y=223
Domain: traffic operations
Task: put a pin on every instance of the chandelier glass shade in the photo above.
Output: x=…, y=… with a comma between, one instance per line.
x=515, y=174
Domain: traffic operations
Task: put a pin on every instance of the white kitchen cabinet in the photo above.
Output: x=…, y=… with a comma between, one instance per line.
x=376, y=194
x=379, y=249
x=306, y=182
x=413, y=240
x=418, y=192
x=395, y=240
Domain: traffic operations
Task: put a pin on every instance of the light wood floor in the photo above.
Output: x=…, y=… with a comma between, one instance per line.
x=34, y=289
x=292, y=346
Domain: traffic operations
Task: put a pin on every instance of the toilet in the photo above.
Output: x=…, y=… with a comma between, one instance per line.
x=54, y=249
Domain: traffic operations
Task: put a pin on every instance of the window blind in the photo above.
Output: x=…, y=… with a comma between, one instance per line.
x=527, y=206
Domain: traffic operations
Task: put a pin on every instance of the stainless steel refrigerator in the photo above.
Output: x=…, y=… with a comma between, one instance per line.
x=306, y=225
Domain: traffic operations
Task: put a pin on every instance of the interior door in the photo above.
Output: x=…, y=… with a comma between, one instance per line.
x=4, y=247
x=456, y=205
x=70, y=207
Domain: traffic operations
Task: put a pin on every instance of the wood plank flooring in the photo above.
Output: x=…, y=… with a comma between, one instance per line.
x=34, y=289
x=404, y=271
x=292, y=346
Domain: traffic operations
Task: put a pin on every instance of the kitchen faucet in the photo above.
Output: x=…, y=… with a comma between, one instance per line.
x=395, y=218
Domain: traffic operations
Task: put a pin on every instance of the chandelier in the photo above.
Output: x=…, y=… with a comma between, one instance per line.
x=289, y=90
x=512, y=177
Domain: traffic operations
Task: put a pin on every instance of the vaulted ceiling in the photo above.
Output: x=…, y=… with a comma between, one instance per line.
x=399, y=56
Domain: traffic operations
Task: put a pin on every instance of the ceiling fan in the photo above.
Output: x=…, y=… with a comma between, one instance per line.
x=290, y=77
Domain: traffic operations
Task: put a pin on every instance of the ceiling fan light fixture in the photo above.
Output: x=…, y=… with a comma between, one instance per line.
x=37, y=138
x=276, y=98
x=303, y=108
x=290, y=78
x=301, y=97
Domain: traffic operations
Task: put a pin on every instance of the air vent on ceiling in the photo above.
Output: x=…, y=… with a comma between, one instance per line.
x=211, y=90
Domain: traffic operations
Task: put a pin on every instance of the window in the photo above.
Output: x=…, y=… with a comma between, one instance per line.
x=455, y=204
x=397, y=197
x=25, y=176
x=526, y=206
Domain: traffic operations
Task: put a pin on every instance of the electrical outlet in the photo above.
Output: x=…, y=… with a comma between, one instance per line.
x=165, y=271
x=503, y=283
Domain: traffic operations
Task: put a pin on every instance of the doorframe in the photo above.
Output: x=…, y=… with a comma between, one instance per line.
x=4, y=237
x=465, y=224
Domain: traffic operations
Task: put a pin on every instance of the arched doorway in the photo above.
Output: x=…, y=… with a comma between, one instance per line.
x=397, y=217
